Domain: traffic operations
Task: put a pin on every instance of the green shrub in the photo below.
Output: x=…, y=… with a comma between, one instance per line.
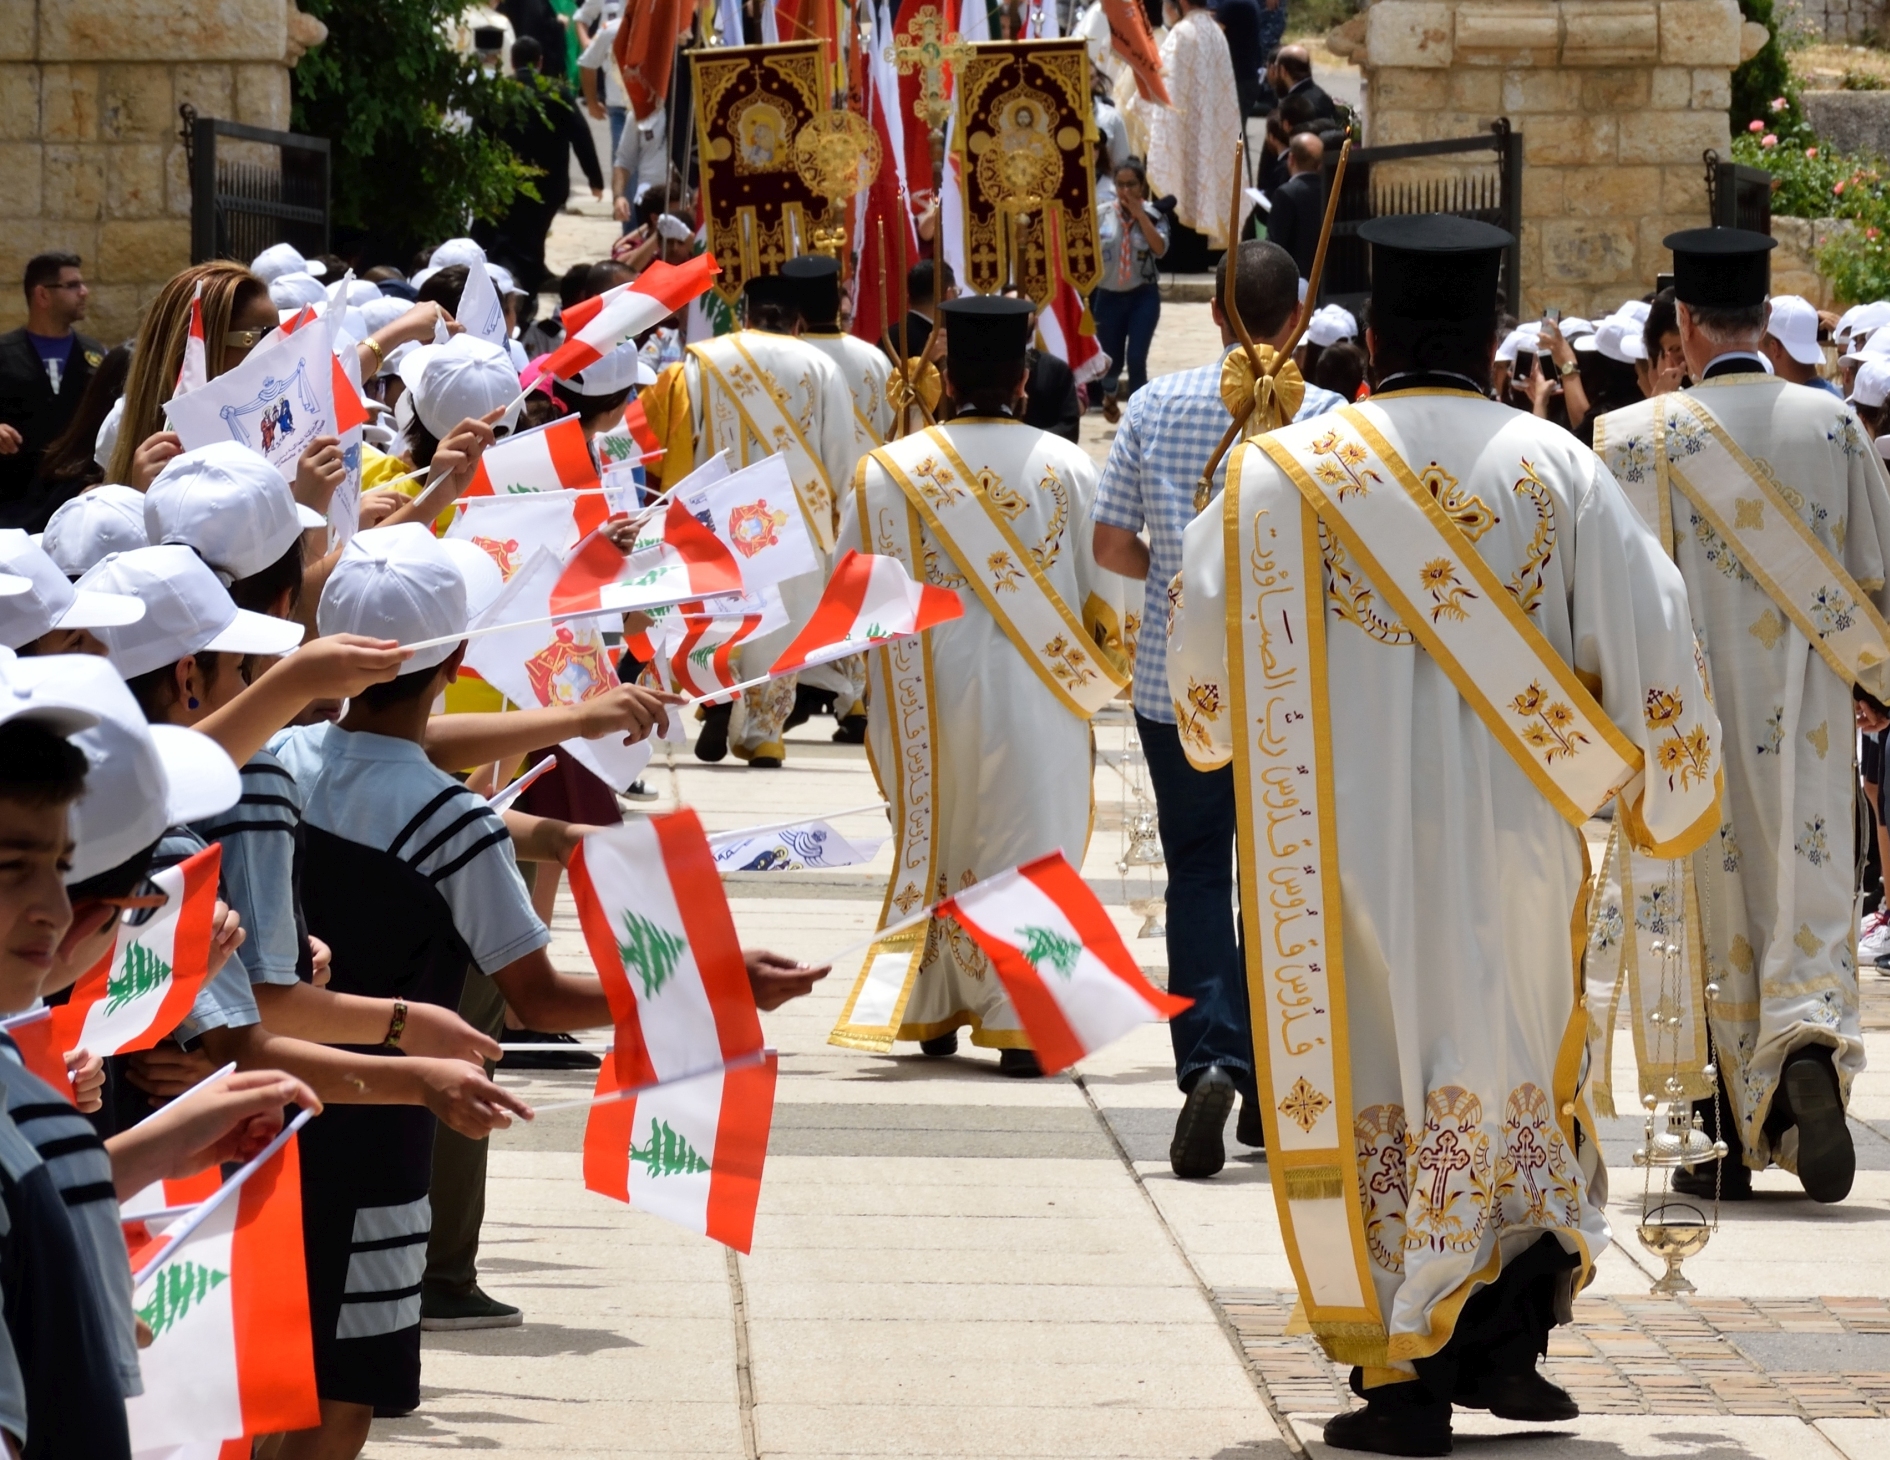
x=411, y=120
x=1757, y=83
x=1812, y=180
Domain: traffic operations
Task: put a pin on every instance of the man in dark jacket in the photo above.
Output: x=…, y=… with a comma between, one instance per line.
x=1304, y=106
x=1299, y=203
x=518, y=239
x=44, y=368
x=1050, y=390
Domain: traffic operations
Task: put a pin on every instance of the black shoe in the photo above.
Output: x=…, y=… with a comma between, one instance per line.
x=1526, y=1398
x=852, y=731
x=1704, y=1181
x=1197, y=1150
x=1249, y=1130
x=808, y=702
x=712, y=739
x=764, y=762
x=1019, y=1064
x=543, y=1059
x=940, y=1046
x=637, y=791
x=1392, y=1429
x=1827, y=1162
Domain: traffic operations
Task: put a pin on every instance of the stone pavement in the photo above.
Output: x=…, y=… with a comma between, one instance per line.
x=950, y=1263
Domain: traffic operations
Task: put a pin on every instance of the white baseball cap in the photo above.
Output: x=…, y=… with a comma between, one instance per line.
x=464, y=378
x=100, y=520
x=397, y=583
x=140, y=778
x=1330, y=325
x=1871, y=384
x=622, y=368
x=484, y=581
x=502, y=280
x=294, y=289
x=283, y=258
x=1575, y=326
x=1523, y=337
x=187, y=611
x=1616, y=338
x=61, y=713
x=230, y=504
x=51, y=601
x=461, y=251
x=1865, y=318
x=1794, y=324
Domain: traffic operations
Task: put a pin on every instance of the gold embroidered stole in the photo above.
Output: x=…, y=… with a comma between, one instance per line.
x=740, y=403
x=1439, y=586
x=900, y=679
x=1639, y=463
x=970, y=511
x=1289, y=903
x=1746, y=508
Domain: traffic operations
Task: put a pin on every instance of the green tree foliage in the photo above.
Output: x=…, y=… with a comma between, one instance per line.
x=1767, y=76
x=412, y=121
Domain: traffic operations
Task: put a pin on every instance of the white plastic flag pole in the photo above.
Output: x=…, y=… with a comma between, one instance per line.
x=733, y=689
x=197, y=1089
x=631, y=1092
x=870, y=939
x=500, y=800
x=224, y=1192
x=524, y=623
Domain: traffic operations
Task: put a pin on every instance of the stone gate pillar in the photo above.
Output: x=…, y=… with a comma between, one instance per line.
x=91, y=159
x=1615, y=99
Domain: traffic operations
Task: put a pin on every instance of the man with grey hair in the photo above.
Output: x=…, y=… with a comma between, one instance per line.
x=1772, y=502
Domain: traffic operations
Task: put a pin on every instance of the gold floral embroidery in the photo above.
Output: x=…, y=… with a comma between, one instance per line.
x=1525, y=586
x=1820, y=739
x=1304, y=1104
x=937, y=482
x=1068, y=662
x=1439, y=577
x=1050, y=546
x=1204, y=704
x=1378, y=1138
x=1005, y=574
x=1535, y=1181
x=1808, y=942
x=936, y=572
x=1740, y=954
x=1466, y=509
x=1351, y=595
x=1684, y=758
x=1748, y=513
x=1450, y=1187
x=907, y=898
x=1342, y=468
x=1005, y=498
x=1549, y=725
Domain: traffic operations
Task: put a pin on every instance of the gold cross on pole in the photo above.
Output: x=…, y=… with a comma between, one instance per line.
x=928, y=48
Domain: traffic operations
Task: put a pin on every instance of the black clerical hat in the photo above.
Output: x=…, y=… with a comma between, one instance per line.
x=771, y=289
x=1435, y=267
x=1727, y=268
x=815, y=281
x=986, y=329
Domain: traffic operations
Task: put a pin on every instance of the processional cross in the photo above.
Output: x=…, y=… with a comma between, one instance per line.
x=928, y=48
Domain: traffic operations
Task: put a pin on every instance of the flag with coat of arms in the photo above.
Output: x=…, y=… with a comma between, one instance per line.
x=1060, y=958
x=658, y=927
x=687, y=561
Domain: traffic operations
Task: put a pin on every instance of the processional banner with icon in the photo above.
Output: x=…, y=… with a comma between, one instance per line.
x=779, y=163
x=1026, y=149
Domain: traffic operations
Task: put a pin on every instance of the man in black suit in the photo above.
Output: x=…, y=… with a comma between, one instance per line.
x=44, y=368
x=1299, y=203
x=1304, y=106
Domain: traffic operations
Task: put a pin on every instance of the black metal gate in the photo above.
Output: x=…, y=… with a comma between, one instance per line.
x=251, y=187
x=1491, y=192
x=1737, y=196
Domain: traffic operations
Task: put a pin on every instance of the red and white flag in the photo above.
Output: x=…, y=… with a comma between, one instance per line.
x=194, y=370
x=758, y=518
x=37, y=1039
x=143, y=988
x=703, y=663
x=550, y=459
x=657, y=923
x=868, y=600
x=595, y=327
x=151, y=1206
x=227, y=1306
x=636, y=422
x=687, y=562
x=1060, y=959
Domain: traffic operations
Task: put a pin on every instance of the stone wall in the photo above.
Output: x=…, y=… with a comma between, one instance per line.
x=1851, y=121
x=1837, y=21
x=91, y=157
x=1616, y=101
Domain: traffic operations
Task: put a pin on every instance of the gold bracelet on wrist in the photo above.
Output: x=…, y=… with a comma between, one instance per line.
x=374, y=345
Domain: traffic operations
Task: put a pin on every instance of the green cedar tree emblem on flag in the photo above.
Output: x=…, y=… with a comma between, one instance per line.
x=144, y=973
x=700, y=657
x=177, y=1290
x=1046, y=945
x=874, y=631
x=649, y=952
x=668, y=1153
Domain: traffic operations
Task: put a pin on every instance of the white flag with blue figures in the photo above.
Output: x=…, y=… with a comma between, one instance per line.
x=800, y=846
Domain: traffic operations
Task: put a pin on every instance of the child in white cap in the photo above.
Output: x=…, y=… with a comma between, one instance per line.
x=100, y=520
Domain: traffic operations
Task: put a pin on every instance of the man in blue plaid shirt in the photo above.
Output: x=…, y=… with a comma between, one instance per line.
x=1168, y=432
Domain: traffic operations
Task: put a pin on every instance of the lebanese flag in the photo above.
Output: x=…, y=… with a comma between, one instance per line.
x=868, y=600
x=651, y=904
x=194, y=370
x=636, y=422
x=37, y=1040
x=645, y=50
x=595, y=327
x=142, y=989
x=555, y=458
x=702, y=664
x=167, y=1197
x=1060, y=327
x=687, y=562
x=1060, y=959
x=227, y=1306
x=551, y=459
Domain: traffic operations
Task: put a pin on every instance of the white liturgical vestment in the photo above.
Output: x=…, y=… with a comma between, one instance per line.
x=1453, y=640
